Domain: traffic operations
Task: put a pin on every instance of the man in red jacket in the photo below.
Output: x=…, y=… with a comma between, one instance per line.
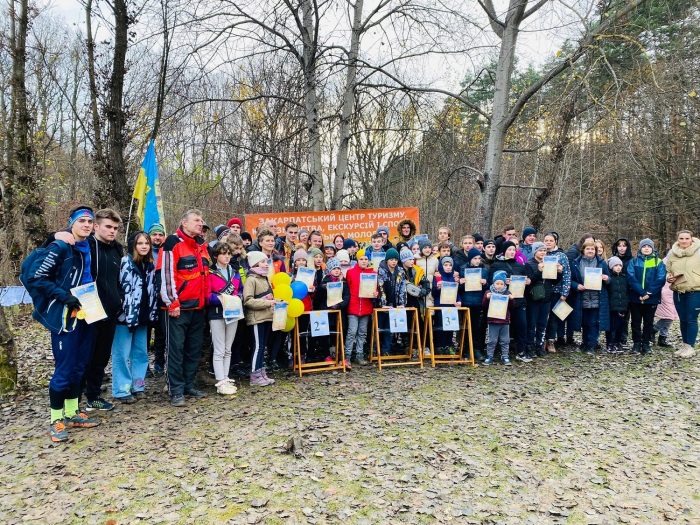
x=359, y=309
x=184, y=273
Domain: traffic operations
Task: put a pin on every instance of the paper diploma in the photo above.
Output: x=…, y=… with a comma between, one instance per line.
x=306, y=276
x=562, y=309
x=448, y=293
x=279, y=317
x=335, y=293
x=90, y=302
x=593, y=279
x=498, y=306
x=517, y=286
x=233, y=308
x=472, y=279
x=377, y=258
x=368, y=285
x=550, y=267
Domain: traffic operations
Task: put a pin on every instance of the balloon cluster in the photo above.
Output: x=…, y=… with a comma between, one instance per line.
x=283, y=289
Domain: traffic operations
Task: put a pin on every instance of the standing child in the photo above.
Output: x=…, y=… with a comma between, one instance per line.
x=223, y=279
x=376, y=246
x=442, y=339
x=301, y=260
x=259, y=306
x=139, y=306
x=417, y=287
x=334, y=274
x=619, y=302
x=428, y=263
x=391, y=280
x=499, y=329
x=472, y=300
x=359, y=310
x=666, y=313
x=240, y=352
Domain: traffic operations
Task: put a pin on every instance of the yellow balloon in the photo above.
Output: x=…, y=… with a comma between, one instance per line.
x=283, y=293
x=281, y=279
x=295, y=308
x=290, y=324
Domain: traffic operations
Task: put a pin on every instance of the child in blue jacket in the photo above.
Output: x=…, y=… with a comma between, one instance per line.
x=442, y=339
x=472, y=300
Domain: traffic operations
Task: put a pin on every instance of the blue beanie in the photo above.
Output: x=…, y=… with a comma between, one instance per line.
x=473, y=252
x=384, y=229
x=447, y=260
x=500, y=275
x=349, y=243
x=406, y=255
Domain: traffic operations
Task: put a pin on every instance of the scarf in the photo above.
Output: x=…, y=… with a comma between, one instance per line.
x=260, y=271
x=492, y=288
x=84, y=248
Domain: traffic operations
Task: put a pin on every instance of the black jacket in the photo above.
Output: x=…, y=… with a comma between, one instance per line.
x=321, y=299
x=617, y=293
x=532, y=270
x=511, y=267
x=461, y=261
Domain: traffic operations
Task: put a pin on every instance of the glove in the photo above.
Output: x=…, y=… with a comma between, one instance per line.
x=72, y=302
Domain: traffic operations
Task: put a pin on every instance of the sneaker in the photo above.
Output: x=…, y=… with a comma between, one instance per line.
x=256, y=379
x=178, y=400
x=686, y=351
x=505, y=360
x=523, y=357
x=347, y=365
x=126, y=400
x=328, y=359
x=550, y=346
x=589, y=350
x=610, y=349
x=488, y=361
x=158, y=370
x=193, y=392
x=362, y=361
x=211, y=372
x=269, y=380
x=58, y=431
x=540, y=352
x=80, y=420
x=140, y=395
x=226, y=387
x=99, y=404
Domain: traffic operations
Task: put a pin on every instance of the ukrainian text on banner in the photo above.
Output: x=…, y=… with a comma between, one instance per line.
x=359, y=225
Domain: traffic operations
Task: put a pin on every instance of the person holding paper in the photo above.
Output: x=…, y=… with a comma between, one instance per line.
x=391, y=281
x=49, y=278
x=646, y=276
x=591, y=311
x=139, y=306
x=223, y=280
x=619, y=304
x=499, y=329
x=428, y=263
x=376, y=246
x=442, y=339
x=556, y=328
x=359, y=310
x=472, y=299
x=417, y=287
x=684, y=276
x=539, y=295
x=331, y=300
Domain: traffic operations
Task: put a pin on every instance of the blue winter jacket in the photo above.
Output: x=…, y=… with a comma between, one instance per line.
x=473, y=298
x=57, y=269
x=646, y=274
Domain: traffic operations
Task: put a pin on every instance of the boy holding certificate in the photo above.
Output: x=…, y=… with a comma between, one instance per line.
x=392, y=289
x=498, y=303
x=472, y=287
x=443, y=296
x=360, y=307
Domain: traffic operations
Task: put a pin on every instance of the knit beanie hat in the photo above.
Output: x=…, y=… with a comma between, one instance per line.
x=246, y=236
x=446, y=260
x=489, y=241
x=303, y=231
x=614, y=261
x=343, y=256
x=156, y=228
x=401, y=245
x=529, y=231
x=537, y=246
x=384, y=229
x=507, y=245
x=361, y=254
x=349, y=243
x=391, y=253
x=406, y=255
x=313, y=252
x=300, y=254
x=220, y=231
x=235, y=220
x=500, y=275
x=330, y=245
x=478, y=238
x=646, y=242
x=255, y=258
x=473, y=252
x=424, y=243
x=332, y=263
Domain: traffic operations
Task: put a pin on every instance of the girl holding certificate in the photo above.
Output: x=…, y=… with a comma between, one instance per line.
x=591, y=312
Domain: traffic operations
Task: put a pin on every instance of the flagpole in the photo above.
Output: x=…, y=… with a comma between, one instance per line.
x=128, y=223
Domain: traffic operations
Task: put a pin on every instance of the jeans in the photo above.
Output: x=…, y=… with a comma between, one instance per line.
x=222, y=336
x=518, y=320
x=102, y=338
x=498, y=333
x=261, y=333
x=688, y=308
x=617, y=325
x=183, y=336
x=590, y=323
x=663, y=326
x=642, y=312
x=537, y=318
x=357, y=333
x=129, y=360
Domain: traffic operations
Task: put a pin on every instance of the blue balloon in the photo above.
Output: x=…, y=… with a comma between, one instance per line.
x=299, y=290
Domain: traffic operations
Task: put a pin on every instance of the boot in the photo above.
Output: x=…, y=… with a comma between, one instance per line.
x=540, y=352
x=663, y=343
x=646, y=347
x=687, y=351
x=264, y=375
x=550, y=346
x=637, y=348
x=479, y=355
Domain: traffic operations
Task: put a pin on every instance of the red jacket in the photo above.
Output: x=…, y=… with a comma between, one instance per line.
x=183, y=264
x=358, y=305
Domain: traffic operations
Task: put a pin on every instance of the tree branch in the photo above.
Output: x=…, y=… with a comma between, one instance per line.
x=496, y=24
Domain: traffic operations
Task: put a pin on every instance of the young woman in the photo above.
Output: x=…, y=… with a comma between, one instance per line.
x=338, y=241
x=139, y=306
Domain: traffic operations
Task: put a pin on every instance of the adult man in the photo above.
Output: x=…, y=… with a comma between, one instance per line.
x=284, y=245
x=508, y=232
x=105, y=260
x=529, y=238
x=235, y=225
x=406, y=230
x=155, y=328
x=57, y=269
x=184, y=272
x=384, y=230
x=157, y=234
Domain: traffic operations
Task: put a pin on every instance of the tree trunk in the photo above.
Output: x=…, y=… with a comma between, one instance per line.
x=96, y=125
x=341, y=169
x=8, y=357
x=499, y=119
x=311, y=106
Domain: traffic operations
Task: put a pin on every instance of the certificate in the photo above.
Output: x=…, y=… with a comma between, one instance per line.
x=593, y=278
x=397, y=320
x=498, y=306
x=472, y=279
x=319, y=324
x=368, y=285
x=517, y=286
x=562, y=309
x=550, y=267
x=279, y=317
x=450, y=321
x=448, y=293
x=377, y=258
x=233, y=308
x=306, y=276
x=335, y=293
x=91, y=307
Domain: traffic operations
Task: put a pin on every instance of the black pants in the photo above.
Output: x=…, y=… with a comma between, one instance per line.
x=645, y=313
x=477, y=327
x=155, y=329
x=183, y=337
x=102, y=339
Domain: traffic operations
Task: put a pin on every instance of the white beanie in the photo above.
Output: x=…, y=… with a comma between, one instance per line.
x=343, y=256
x=255, y=258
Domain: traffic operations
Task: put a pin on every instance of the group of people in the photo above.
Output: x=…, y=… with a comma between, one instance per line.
x=180, y=290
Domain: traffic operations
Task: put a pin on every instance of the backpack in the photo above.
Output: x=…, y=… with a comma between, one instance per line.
x=26, y=270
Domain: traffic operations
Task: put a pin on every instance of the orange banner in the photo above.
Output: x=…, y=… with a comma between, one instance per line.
x=358, y=225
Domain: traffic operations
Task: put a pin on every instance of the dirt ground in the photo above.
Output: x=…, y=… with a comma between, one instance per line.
x=565, y=439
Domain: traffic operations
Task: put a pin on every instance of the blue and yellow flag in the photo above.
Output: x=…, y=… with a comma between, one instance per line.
x=147, y=191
